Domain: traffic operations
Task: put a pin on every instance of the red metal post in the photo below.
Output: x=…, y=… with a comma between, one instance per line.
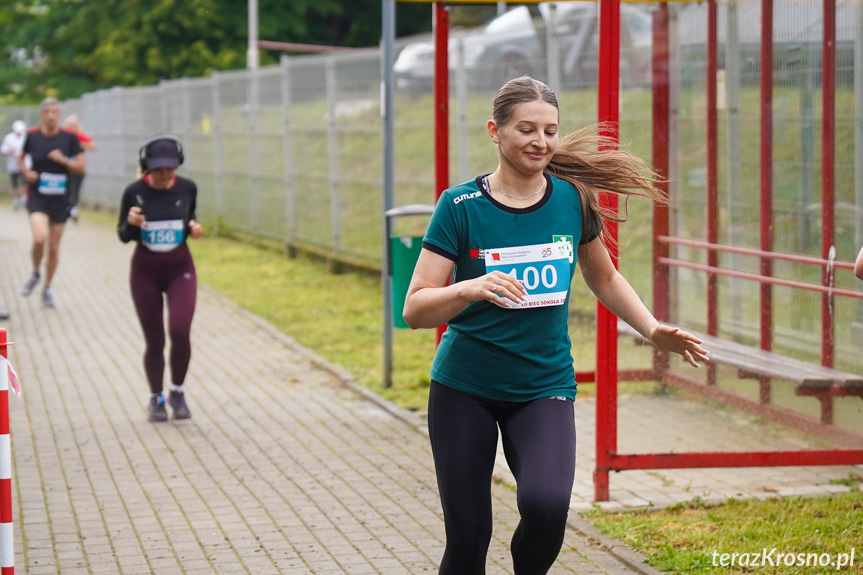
x=606, y=323
x=827, y=161
x=769, y=280
x=766, y=195
x=441, y=98
x=796, y=258
x=706, y=459
x=441, y=106
x=712, y=224
x=661, y=143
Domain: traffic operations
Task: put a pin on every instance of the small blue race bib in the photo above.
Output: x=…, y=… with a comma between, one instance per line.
x=162, y=236
x=52, y=184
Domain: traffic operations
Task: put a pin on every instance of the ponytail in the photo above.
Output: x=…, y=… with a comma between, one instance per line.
x=593, y=163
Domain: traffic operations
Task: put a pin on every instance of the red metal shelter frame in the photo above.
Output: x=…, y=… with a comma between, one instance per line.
x=606, y=375
x=607, y=457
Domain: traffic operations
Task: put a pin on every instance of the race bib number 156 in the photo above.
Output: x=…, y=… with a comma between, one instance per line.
x=542, y=268
x=162, y=236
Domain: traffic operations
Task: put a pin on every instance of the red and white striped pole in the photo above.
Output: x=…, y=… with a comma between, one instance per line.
x=7, y=552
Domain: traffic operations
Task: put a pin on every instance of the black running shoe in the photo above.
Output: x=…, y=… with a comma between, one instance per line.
x=156, y=409
x=177, y=400
x=31, y=283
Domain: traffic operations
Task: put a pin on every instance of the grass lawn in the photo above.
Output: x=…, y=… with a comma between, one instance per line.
x=695, y=538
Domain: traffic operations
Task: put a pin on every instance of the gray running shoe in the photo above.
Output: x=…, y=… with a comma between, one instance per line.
x=4, y=314
x=177, y=400
x=156, y=409
x=48, y=297
x=31, y=283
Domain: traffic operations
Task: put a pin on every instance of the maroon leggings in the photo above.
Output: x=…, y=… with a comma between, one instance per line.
x=173, y=274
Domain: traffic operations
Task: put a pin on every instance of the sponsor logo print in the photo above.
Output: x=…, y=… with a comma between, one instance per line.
x=463, y=197
x=563, y=243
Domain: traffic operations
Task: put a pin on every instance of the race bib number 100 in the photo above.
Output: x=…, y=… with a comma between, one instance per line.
x=542, y=268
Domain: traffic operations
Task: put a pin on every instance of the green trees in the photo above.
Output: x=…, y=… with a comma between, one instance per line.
x=67, y=47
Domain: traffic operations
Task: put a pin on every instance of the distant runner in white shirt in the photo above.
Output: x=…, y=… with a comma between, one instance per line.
x=11, y=148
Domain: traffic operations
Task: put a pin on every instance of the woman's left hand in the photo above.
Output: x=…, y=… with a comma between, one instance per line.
x=196, y=230
x=678, y=341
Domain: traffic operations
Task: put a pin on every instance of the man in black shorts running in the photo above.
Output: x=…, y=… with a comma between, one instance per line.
x=55, y=155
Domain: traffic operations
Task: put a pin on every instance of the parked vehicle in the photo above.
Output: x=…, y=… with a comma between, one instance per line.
x=516, y=43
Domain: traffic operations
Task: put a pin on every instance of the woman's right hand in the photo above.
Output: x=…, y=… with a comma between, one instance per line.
x=431, y=301
x=136, y=216
x=496, y=287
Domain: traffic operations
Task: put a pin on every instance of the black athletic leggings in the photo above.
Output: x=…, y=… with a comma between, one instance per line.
x=173, y=274
x=539, y=444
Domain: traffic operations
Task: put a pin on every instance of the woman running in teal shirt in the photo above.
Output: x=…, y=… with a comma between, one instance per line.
x=512, y=239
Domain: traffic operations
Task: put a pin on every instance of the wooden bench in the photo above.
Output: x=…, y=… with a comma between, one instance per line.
x=811, y=380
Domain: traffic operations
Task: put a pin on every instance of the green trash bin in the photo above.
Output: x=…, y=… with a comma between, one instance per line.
x=404, y=252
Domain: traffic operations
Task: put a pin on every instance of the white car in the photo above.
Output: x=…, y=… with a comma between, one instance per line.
x=515, y=43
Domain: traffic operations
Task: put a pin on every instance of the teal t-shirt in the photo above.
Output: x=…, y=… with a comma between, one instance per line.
x=510, y=354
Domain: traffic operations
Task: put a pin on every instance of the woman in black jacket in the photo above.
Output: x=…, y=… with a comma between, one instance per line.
x=158, y=212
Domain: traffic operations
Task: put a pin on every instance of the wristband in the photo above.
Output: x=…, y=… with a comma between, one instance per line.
x=641, y=329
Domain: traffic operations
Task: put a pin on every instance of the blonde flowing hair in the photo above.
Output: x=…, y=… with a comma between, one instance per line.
x=588, y=159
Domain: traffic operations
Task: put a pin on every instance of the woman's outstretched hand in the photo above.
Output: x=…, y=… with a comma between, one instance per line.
x=678, y=341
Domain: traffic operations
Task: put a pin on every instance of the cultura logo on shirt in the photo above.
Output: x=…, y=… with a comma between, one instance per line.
x=466, y=197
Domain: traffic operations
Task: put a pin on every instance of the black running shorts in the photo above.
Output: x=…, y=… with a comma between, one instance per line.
x=56, y=207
